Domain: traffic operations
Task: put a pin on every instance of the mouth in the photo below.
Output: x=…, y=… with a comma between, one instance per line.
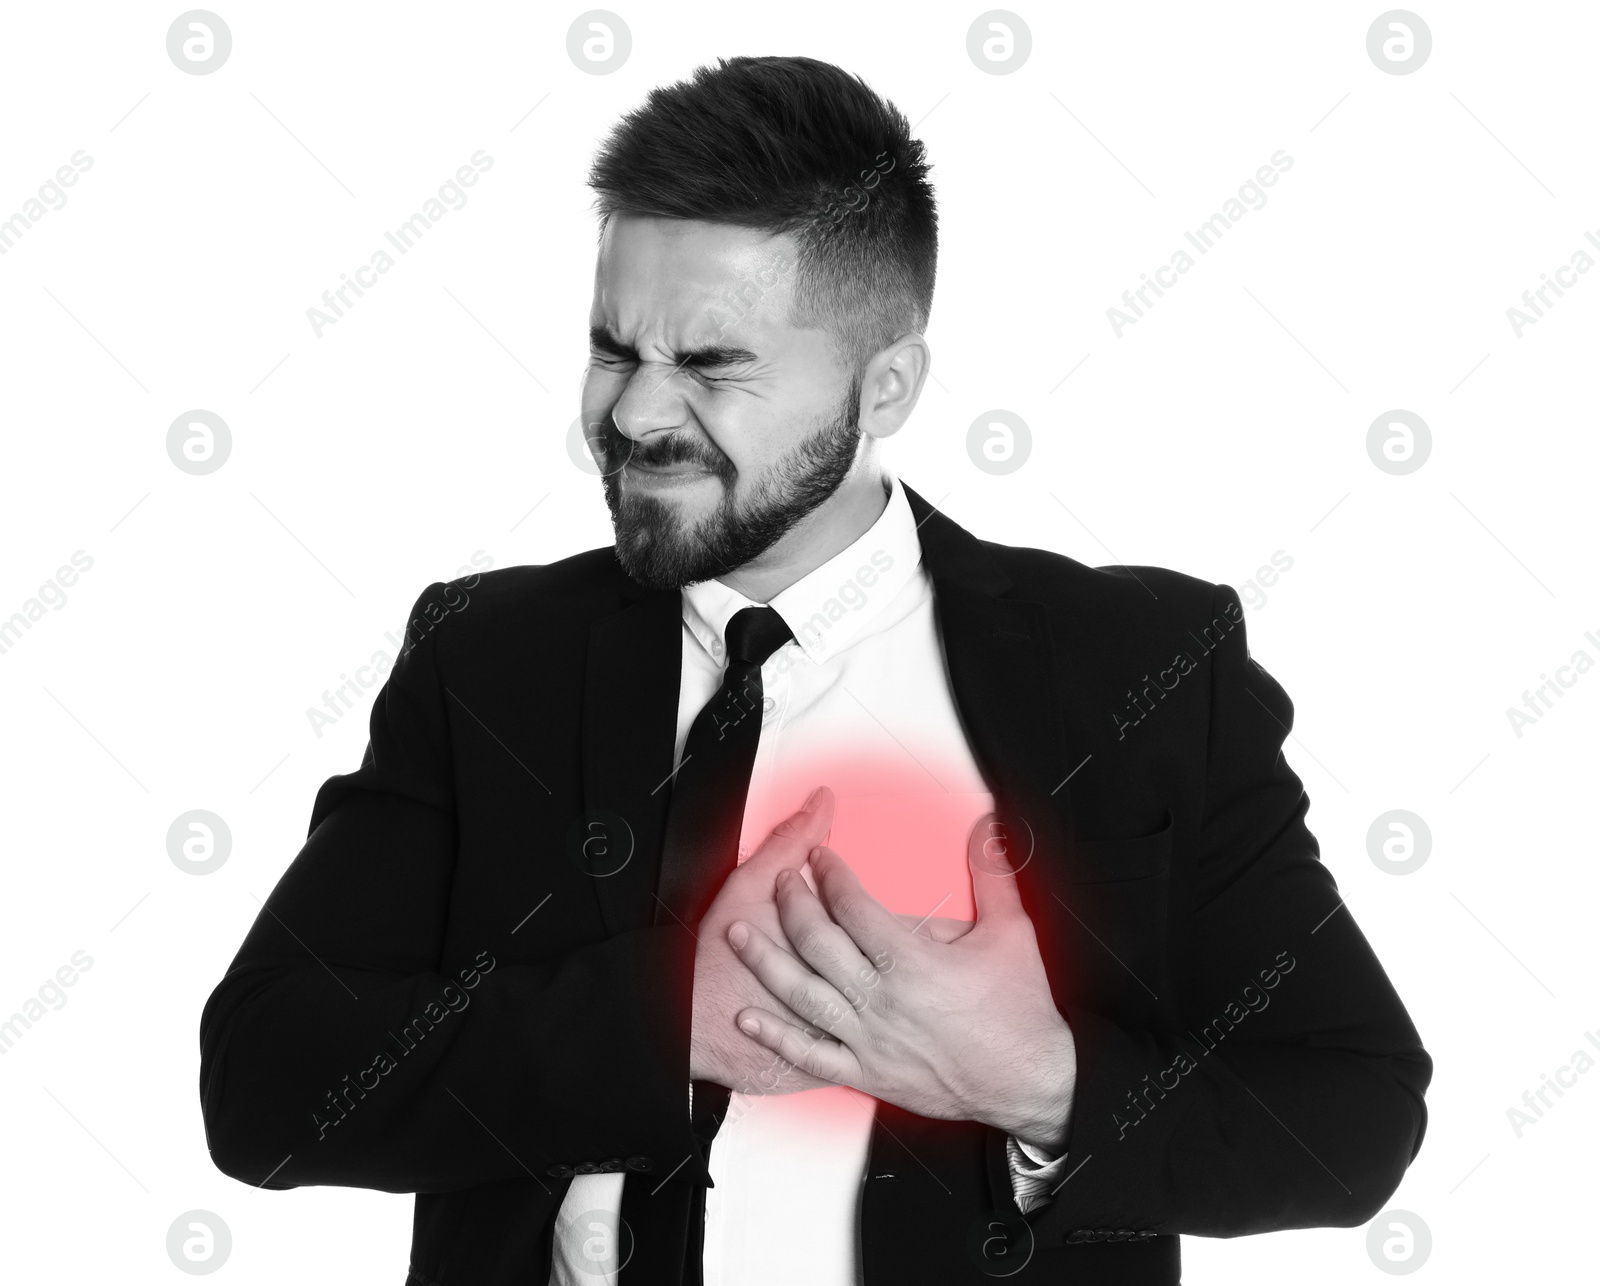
x=666, y=476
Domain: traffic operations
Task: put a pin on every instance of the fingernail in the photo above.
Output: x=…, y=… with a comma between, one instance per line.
x=738, y=935
x=749, y=1026
x=811, y=800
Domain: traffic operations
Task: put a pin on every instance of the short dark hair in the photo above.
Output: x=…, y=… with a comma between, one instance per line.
x=791, y=145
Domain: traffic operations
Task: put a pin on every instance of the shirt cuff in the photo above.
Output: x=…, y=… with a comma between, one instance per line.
x=1034, y=1174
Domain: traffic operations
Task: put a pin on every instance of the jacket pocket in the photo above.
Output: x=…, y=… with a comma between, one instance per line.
x=1113, y=924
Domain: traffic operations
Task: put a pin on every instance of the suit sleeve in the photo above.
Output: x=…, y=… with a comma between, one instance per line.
x=335, y=1051
x=1290, y=1092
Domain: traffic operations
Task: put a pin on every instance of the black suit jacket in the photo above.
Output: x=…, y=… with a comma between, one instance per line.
x=457, y=989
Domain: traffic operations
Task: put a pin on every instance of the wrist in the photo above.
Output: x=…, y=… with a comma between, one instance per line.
x=1041, y=1113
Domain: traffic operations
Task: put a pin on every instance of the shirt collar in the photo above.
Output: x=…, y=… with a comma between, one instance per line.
x=833, y=605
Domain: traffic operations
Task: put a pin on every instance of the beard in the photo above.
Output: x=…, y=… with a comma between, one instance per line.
x=660, y=550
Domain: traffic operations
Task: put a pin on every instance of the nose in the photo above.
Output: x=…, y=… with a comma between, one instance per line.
x=649, y=404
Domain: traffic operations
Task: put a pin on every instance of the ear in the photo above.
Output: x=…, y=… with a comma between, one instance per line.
x=891, y=385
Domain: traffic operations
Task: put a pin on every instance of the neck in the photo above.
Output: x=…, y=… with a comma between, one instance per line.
x=832, y=527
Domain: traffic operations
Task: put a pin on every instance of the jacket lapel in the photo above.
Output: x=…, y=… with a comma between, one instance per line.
x=1003, y=670
x=630, y=719
x=1003, y=674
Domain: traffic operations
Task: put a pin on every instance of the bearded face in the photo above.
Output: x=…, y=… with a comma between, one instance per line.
x=663, y=544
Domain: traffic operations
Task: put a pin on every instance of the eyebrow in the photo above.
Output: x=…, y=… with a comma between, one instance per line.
x=707, y=355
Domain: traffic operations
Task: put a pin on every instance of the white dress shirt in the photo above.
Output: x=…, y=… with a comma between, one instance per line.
x=859, y=701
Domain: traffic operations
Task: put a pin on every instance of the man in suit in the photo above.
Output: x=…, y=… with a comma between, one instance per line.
x=803, y=889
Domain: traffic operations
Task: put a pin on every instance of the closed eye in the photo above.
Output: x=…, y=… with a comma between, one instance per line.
x=712, y=362
x=707, y=372
x=720, y=373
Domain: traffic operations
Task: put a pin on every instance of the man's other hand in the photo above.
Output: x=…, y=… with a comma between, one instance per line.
x=718, y=1051
x=959, y=1028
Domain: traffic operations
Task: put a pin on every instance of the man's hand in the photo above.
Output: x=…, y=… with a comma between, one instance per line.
x=718, y=1051
x=959, y=1029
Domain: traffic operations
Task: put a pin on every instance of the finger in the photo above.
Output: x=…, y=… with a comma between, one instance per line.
x=821, y=943
x=873, y=929
x=779, y=1077
x=792, y=839
x=817, y=1055
x=812, y=998
x=994, y=882
x=937, y=927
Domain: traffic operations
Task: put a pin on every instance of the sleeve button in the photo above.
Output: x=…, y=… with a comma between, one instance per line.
x=640, y=1164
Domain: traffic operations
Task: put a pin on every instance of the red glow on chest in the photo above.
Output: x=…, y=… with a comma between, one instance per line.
x=901, y=825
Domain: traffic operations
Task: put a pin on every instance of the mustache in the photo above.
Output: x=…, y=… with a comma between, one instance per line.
x=657, y=452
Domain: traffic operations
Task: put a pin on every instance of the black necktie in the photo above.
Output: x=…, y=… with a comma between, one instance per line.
x=699, y=849
x=706, y=813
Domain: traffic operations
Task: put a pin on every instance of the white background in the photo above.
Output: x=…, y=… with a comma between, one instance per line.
x=430, y=423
